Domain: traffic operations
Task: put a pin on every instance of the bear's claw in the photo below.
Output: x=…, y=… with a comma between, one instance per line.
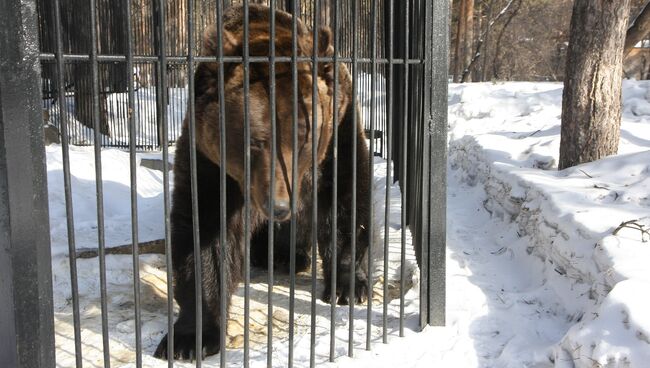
x=185, y=346
x=361, y=289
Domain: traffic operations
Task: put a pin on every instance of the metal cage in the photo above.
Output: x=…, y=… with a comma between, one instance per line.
x=101, y=58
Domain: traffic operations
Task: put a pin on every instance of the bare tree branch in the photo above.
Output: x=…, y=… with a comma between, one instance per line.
x=638, y=30
x=481, y=39
x=503, y=30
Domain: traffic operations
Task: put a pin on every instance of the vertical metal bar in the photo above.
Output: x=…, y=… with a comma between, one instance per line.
x=198, y=278
x=335, y=145
x=403, y=177
x=314, y=175
x=415, y=151
x=353, y=227
x=371, y=168
x=158, y=47
x=247, y=187
x=134, y=190
x=163, y=123
x=395, y=86
x=274, y=153
x=141, y=131
x=419, y=194
x=294, y=175
x=63, y=119
x=223, y=322
x=99, y=187
x=436, y=79
x=389, y=133
x=26, y=311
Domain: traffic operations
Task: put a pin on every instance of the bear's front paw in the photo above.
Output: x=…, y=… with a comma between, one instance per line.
x=303, y=262
x=185, y=346
x=361, y=289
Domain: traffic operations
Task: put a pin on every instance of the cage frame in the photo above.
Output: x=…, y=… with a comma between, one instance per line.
x=25, y=271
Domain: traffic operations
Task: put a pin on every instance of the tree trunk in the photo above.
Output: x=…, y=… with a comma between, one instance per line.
x=468, y=40
x=78, y=33
x=639, y=29
x=488, y=28
x=591, y=103
x=112, y=41
x=458, y=44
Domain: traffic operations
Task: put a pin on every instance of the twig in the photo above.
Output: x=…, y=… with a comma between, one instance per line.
x=635, y=225
x=533, y=133
x=589, y=176
x=481, y=40
x=500, y=37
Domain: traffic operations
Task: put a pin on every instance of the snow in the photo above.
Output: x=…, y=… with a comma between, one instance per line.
x=536, y=276
x=117, y=195
x=505, y=138
x=153, y=275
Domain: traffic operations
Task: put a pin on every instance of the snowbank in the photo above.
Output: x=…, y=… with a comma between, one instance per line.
x=506, y=137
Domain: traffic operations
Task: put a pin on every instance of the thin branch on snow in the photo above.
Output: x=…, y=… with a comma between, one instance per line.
x=635, y=225
x=586, y=174
x=149, y=247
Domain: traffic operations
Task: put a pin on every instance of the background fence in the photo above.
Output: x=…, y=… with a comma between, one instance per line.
x=411, y=122
x=144, y=15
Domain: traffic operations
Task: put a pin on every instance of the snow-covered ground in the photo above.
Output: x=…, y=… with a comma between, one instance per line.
x=535, y=275
x=121, y=314
x=568, y=218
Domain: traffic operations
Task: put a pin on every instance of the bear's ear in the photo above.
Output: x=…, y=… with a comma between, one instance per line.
x=205, y=74
x=325, y=48
x=210, y=44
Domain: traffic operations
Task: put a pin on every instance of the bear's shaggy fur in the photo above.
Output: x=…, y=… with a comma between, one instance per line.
x=208, y=162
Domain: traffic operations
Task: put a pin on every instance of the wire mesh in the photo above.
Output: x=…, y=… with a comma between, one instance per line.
x=147, y=43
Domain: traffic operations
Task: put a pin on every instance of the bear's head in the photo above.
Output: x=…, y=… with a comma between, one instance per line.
x=259, y=105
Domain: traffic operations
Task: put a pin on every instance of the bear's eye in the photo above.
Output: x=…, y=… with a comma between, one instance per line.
x=257, y=144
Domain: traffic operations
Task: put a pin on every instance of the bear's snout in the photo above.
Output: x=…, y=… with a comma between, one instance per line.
x=281, y=210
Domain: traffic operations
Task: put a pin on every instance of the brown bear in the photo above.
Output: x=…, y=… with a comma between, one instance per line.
x=208, y=173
